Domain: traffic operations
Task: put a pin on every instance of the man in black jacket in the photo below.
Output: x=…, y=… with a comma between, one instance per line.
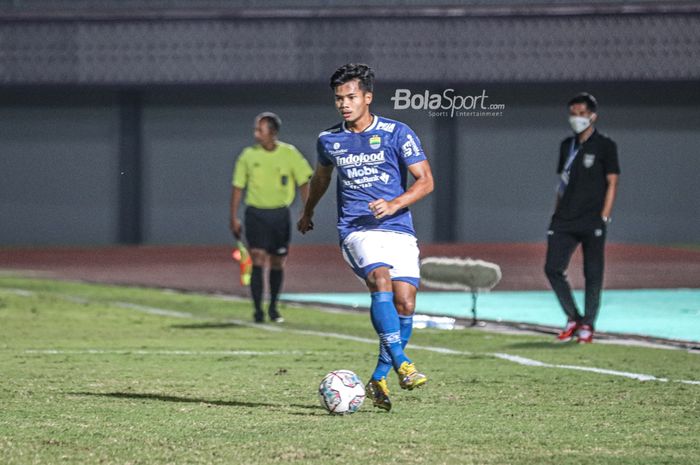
x=589, y=172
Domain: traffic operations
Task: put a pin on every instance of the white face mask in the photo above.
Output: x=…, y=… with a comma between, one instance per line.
x=579, y=123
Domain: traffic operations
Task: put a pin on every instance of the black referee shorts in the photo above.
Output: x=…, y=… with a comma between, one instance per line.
x=268, y=229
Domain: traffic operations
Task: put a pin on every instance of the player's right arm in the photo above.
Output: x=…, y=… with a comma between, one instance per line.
x=318, y=186
x=235, y=225
x=238, y=183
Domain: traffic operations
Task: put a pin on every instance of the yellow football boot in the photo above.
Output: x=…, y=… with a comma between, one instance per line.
x=409, y=377
x=379, y=392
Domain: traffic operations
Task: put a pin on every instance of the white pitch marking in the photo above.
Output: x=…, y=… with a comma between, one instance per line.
x=248, y=324
x=520, y=360
x=624, y=374
x=443, y=350
x=75, y=299
x=19, y=292
x=536, y=363
x=154, y=310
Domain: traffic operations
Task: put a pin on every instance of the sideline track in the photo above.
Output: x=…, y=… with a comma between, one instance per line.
x=672, y=314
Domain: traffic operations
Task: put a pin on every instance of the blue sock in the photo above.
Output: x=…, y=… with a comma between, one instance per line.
x=385, y=320
x=383, y=364
x=384, y=360
x=406, y=323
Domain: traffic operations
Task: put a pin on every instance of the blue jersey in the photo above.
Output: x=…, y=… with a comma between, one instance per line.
x=370, y=165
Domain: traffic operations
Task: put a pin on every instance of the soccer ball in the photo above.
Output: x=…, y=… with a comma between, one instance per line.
x=341, y=392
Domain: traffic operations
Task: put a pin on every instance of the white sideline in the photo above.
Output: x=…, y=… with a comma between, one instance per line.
x=19, y=292
x=441, y=350
x=154, y=310
x=536, y=363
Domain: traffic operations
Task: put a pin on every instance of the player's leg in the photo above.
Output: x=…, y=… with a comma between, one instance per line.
x=364, y=248
x=388, y=329
x=280, y=226
x=405, y=276
x=405, y=298
x=405, y=303
x=366, y=253
x=276, y=278
x=385, y=318
x=258, y=238
x=259, y=257
x=593, y=246
x=402, y=252
x=560, y=248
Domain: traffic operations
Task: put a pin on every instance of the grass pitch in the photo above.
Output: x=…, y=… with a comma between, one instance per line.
x=99, y=374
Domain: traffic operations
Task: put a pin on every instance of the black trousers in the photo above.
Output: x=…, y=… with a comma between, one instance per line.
x=560, y=248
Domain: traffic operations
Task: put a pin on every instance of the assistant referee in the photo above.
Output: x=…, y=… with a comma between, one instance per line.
x=269, y=172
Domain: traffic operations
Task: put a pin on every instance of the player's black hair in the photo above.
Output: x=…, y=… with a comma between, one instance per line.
x=350, y=71
x=273, y=121
x=588, y=99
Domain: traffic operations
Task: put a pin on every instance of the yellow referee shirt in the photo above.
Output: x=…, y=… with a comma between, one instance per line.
x=270, y=178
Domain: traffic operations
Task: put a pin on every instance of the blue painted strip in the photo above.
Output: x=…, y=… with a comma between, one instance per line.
x=665, y=313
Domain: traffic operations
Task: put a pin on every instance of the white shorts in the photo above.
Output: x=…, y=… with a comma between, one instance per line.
x=365, y=251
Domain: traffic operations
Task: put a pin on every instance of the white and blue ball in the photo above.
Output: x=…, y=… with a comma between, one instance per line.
x=341, y=392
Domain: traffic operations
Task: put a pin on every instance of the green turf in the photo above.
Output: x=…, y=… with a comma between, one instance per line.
x=137, y=403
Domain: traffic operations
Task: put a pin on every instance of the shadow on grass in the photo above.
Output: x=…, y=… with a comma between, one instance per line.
x=221, y=325
x=188, y=400
x=322, y=413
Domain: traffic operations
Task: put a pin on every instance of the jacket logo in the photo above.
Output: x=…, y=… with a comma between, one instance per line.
x=388, y=127
x=588, y=159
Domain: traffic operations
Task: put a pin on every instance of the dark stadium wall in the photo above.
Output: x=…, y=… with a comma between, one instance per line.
x=507, y=165
x=60, y=170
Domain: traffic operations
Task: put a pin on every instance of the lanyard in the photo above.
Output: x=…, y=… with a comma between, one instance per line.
x=564, y=180
x=573, y=151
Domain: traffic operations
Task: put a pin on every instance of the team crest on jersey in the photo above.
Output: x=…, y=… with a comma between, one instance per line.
x=336, y=146
x=588, y=159
x=375, y=142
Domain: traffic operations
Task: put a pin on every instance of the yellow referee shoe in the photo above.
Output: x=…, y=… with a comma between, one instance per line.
x=409, y=377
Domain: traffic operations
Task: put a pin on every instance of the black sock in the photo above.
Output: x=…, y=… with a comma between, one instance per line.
x=256, y=288
x=276, y=277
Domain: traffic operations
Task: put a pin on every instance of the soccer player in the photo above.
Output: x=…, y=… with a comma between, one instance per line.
x=589, y=171
x=372, y=156
x=269, y=172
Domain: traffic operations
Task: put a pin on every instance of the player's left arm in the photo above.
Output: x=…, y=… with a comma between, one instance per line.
x=304, y=192
x=421, y=187
x=610, y=194
x=612, y=175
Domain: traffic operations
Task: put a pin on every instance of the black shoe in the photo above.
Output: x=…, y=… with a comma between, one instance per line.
x=275, y=316
x=259, y=317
